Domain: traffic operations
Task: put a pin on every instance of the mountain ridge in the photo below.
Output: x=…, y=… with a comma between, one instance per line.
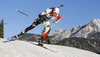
x=80, y=31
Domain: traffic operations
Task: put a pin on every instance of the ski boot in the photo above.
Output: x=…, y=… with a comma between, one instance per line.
x=48, y=41
x=40, y=42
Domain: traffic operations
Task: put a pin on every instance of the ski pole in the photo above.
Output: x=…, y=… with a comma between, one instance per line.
x=25, y=14
x=60, y=6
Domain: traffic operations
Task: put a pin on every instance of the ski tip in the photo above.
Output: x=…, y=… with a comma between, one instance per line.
x=16, y=9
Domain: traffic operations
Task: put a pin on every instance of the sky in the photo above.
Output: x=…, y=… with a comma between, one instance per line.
x=73, y=14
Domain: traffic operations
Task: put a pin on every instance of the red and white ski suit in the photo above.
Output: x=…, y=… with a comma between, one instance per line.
x=45, y=16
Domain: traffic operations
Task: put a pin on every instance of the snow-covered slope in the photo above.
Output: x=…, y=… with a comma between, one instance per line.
x=25, y=49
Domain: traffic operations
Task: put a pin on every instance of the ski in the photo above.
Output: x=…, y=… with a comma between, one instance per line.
x=16, y=37
x=45, y=47
x=9, y=40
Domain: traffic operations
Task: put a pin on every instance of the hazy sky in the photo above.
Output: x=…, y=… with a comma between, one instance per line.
x=74, y=13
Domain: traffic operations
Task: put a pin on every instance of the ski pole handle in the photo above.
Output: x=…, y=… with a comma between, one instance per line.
x=60, y=6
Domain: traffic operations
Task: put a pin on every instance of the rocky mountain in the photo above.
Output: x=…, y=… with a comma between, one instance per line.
x=92, y=27
x=82, y=43
x=30, y=37
x=94, y=35
x=81, y=31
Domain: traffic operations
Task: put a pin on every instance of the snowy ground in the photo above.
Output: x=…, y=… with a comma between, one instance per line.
x=25, y=49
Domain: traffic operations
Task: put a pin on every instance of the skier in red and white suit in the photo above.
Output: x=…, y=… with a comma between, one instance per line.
x=44, y=17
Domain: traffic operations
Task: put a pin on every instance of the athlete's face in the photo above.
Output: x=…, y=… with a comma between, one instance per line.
x=54, y=14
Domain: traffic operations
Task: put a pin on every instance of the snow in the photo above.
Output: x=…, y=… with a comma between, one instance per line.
x=27, y=49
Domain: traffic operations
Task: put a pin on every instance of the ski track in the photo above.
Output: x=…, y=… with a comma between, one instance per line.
x=27, y=49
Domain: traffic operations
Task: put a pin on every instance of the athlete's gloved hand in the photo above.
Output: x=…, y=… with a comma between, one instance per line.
x=53, y=24
x=44, y=23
